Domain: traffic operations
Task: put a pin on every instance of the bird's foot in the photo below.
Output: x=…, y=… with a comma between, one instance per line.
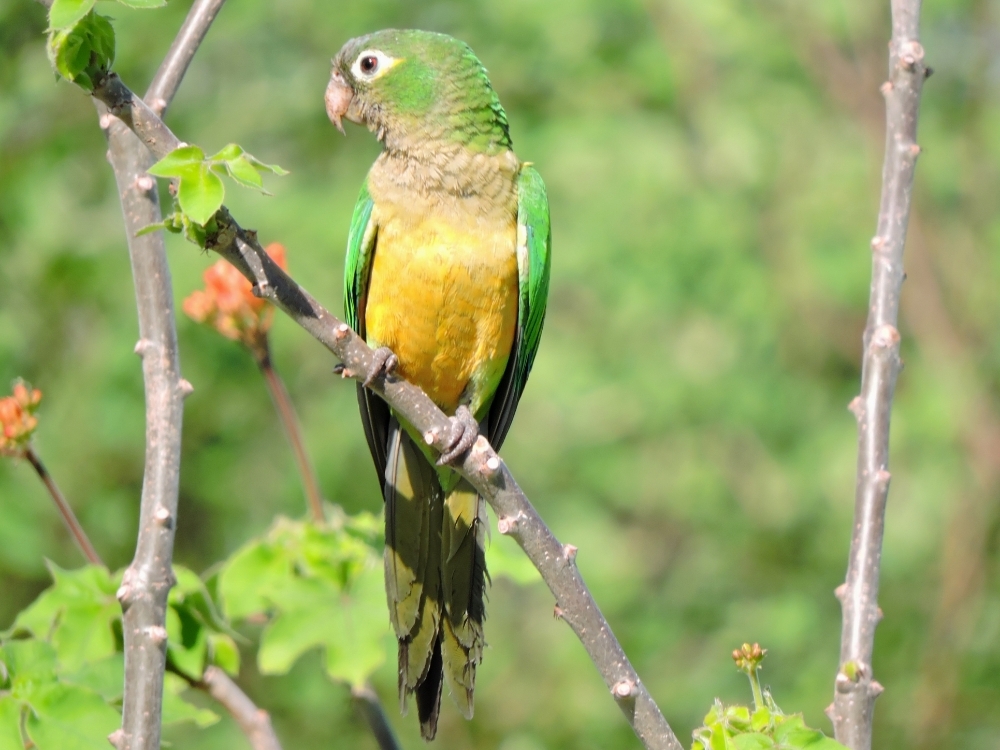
x=385, y=363
x=464, y=431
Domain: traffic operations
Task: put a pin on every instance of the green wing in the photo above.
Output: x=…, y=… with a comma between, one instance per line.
x=534, y=243
x=361, y=243
x=357, y=266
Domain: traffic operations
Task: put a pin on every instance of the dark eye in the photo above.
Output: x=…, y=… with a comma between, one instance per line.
x=369, y=64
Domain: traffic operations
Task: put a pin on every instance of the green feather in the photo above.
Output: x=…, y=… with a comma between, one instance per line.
x=534, y=263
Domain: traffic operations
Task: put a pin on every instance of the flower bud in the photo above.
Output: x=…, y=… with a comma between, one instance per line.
x=17, y=420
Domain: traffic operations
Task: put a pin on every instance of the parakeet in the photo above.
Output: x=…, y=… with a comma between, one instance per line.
x=447, y=275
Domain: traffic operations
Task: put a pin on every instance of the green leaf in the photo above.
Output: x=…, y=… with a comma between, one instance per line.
x=187, y=642
x=102, y=40
x=228, y=153
x=150, y=228
x=76, y=615
x=761, y=719
x=144, y=3
x=246, y=578
x=82, y=50
x=176, y=709
x=224, y=653
x=200, y=194
x=65, y=13
x=28, y=664
x=178, y=162
x=105, y=677
x=720, y=738
x=69, y=52
x=325, y=588
x=68, y=717
x=350, y=627
x=752, y=741
x=10, y=724
x=261, y=166
x=791, y=733
x=241, y=170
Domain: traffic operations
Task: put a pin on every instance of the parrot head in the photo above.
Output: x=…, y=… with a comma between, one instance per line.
x=405, y=82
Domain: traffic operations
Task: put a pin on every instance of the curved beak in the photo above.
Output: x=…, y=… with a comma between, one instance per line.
x=338, y=99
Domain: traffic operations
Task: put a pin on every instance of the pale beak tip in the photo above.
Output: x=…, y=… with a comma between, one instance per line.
x=338, y=100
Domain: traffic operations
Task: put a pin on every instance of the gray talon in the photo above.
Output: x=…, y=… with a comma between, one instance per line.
x=464, y=431
x=385, y=363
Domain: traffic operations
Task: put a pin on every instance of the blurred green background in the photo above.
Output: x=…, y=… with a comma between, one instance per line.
x=713, y=168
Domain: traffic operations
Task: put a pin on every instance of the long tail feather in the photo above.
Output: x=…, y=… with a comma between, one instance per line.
x=413, y=513
x=463, y=539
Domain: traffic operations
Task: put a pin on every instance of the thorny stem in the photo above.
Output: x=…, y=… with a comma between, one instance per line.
x=369, y=706
x=855, y=687
x=254, y=722
x=481, y=465
x=69, y=518
x=293, y=429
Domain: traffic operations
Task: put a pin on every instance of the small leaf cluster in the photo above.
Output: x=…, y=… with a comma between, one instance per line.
x=81, y=43
x=197, y=634
x=766, y=727
x=314, y=585
x=200, y=190
x=62, y=667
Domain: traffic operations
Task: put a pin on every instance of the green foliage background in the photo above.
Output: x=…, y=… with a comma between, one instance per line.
x=713, y=168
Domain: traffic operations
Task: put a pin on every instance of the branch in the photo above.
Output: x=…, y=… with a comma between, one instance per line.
x=147, y=581
x=370, y=707
x=68, y=516
x=255, y=722
x=168, y=78
x=481, y=466
x=855, y=688
x=290, y=421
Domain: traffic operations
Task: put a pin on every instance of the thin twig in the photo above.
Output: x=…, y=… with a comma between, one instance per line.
x=481, y=466
x=192, y=32
x=370, y=707
x=68, y=516
x=855, y=688
x=255, y=722
x=290, y=421
x=147, y=581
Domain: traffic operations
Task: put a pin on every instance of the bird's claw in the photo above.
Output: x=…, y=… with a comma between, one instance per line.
x=385, y=363
x=464, y=431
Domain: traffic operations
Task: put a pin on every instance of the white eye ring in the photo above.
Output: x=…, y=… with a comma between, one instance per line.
x=372, y=63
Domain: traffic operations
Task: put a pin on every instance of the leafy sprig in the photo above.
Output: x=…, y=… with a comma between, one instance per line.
x=81, y=44
x=200, y=190
x=766, y=727
x=315, y=585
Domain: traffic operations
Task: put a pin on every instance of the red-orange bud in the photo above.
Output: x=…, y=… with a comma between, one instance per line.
x=227, y=302
x=17, y=420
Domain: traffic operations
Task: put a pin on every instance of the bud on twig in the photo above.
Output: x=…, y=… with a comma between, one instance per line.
x=229, y=305
x=17, y=418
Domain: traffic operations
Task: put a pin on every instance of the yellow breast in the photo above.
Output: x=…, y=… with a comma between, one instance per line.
x=444, y=300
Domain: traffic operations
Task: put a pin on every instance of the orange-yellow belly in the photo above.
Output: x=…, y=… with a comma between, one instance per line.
x=444, y=300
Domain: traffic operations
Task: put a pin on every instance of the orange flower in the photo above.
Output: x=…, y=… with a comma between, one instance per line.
x=228, y=304
x=17, y=420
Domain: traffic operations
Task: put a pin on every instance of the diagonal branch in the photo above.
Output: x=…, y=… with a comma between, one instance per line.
x=255, y=722
x=481, y=466
x=370, y=707
x=293, y=429
x=855, y=688
x=68, y=516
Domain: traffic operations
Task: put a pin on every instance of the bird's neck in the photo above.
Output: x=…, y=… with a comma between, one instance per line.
x=429, y=174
